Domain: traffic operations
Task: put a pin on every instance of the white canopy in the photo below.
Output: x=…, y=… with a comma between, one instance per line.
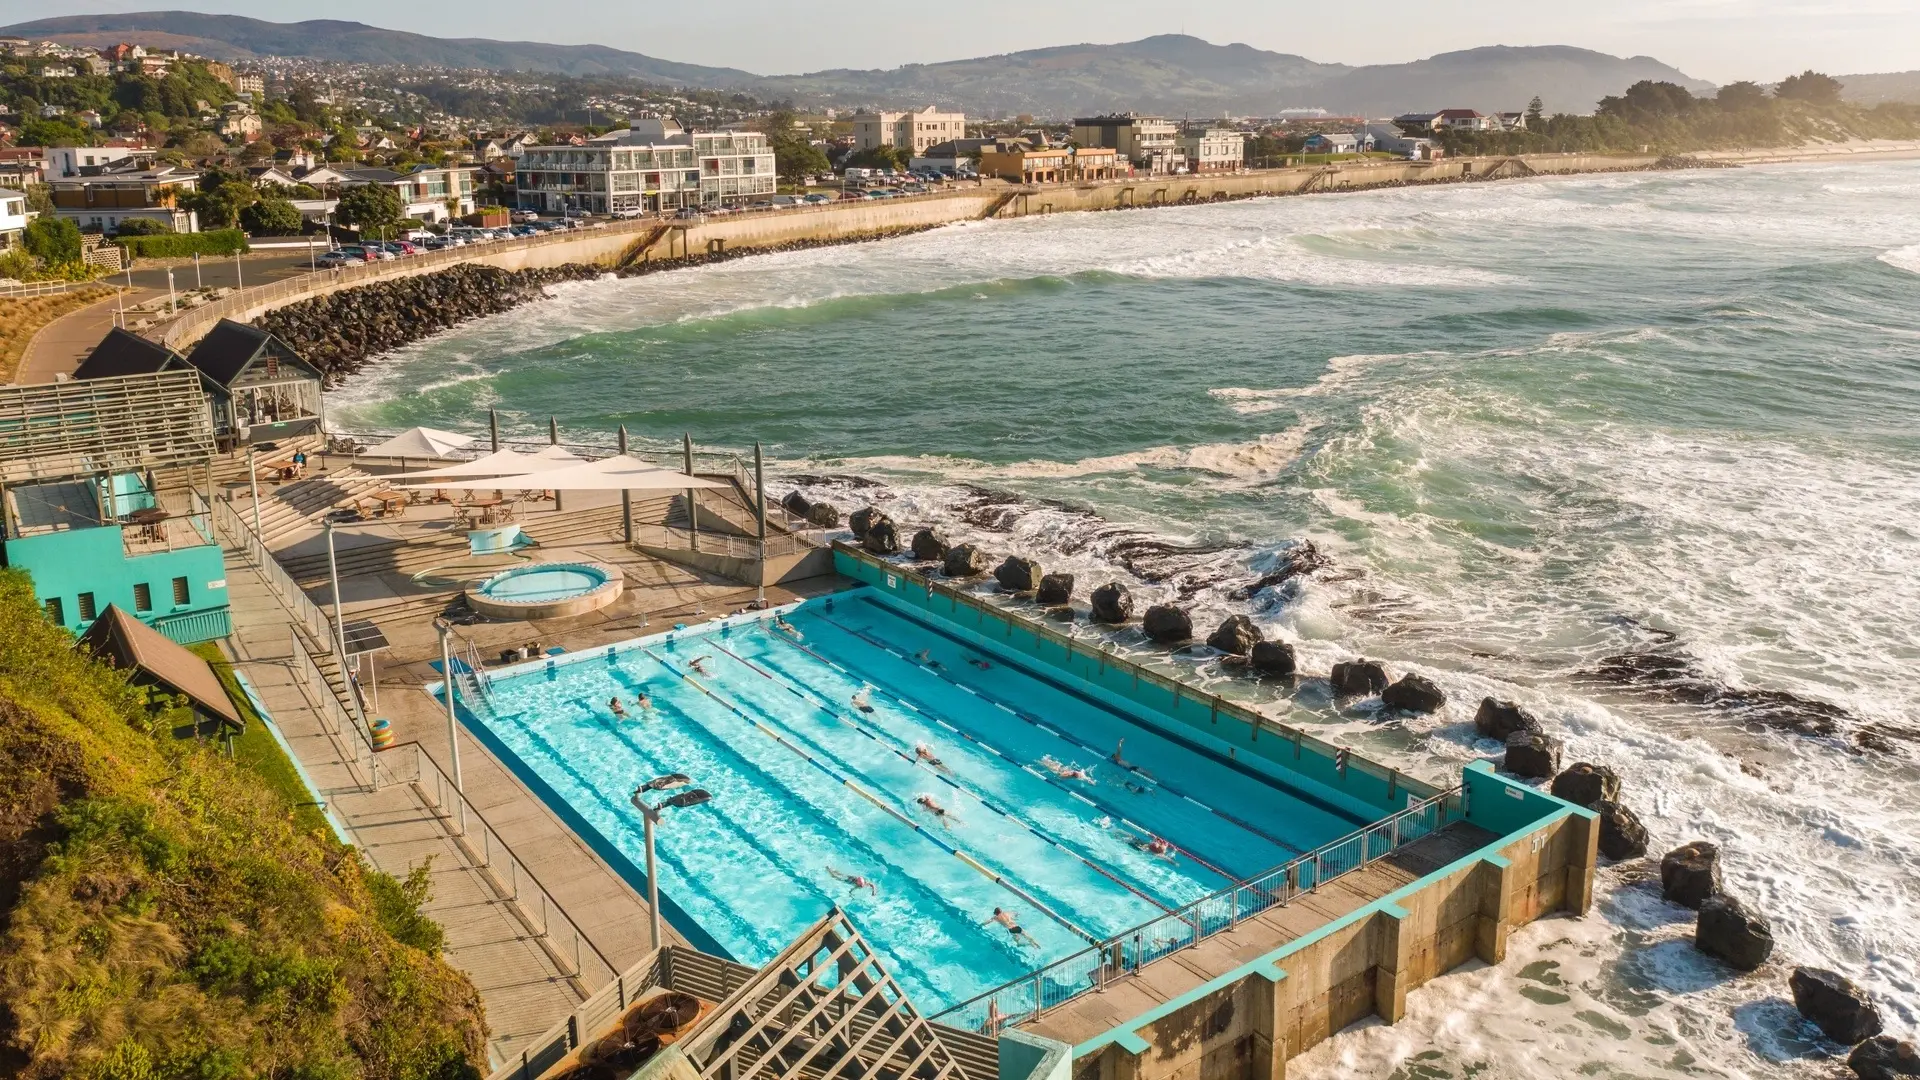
x=420, y=442
x=498, y=463
x=619, y=473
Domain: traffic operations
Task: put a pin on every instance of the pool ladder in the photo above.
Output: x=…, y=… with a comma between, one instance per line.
x=474, y=680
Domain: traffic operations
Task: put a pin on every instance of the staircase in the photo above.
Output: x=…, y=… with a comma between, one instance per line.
x=299, y=507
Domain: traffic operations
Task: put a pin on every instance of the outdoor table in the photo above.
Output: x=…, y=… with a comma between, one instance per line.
x=149, y=522
x=392, y=503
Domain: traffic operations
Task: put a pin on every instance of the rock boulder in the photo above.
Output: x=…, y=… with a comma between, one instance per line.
x=1728, y=931
x=1884, y=1057
x=1690, y=874
x=796, y=503
x=823, y=516
x=1621, y=834
x=863, y=519
x=1273, y=659
x=1112, y=603
x=929, y=546
x=882, y=538
x=1237, y=636
x=1352, y=678
x=1413, y=693
x=1055, y=589
x=1842, y=1010
x=964, y=560
x=1018, y=575
x=1586, y=784
x=1532, y=755
x=1167, y=625
x=1499, y=719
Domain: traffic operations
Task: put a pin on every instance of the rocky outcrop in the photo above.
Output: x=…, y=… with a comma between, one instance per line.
x=861, y=520
x=1354, y=678
x=1621, y=834
x=1237, y=636
x=1055, y=589
x=1840, y=1009
x=1500, y=719
x=823, y=515
x=796, y=503
x=1273, y=659
x=1585, y=784
x=1112, y=603
x=1167, y=625
x=882, y=538
x=1532, y=755
x=1018, y=575
x=929, y=546
x=964, y=561
x=1415, y=694
x=1690, y=874
x=1884, y=1058
x=339, y=332
x=1728, y=931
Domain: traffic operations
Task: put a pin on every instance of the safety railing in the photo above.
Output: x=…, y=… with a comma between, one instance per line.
x=291, y=596
x=356, y=749
x=1093, y=969
x=727, y=544
x=531, y=903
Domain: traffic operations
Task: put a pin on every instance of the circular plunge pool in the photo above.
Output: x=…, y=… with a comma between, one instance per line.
x=546, y=591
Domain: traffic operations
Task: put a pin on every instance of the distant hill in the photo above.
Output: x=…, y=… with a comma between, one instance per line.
x=234, y=37
x=1172, y=74
x=1874, y=89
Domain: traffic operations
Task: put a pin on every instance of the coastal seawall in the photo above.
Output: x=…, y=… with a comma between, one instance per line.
x=641, y=246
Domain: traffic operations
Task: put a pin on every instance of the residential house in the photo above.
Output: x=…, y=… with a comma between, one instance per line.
x=1093, y=163
x=69, y=161
x=1417, y=122
x=954, y=154
x=271, y=175
x=22, y=166
x=426, y=192
x=14, y=217
x=124, y=56
x=91, y=118
x=59, y=70
x=1512, y=121
x=1390, y=139
x=1150, y=143
x=101, y=201
x=1215, y=150
x=649, y=165
x=1023, y=164
x=910, y=131
x=238, y=121
x=1465, y=120
x=325, y=176
x=52, y=112
x=1335, y=142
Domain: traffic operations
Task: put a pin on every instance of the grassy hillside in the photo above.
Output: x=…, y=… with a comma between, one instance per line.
x=166, y=912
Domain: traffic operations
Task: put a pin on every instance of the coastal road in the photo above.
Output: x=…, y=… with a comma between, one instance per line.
x=60, y=345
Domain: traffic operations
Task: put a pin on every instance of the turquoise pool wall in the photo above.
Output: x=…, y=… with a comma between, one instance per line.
x=1362, y=785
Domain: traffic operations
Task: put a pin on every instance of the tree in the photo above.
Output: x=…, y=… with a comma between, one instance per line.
x=1811, y=87
x=1741, y=96
x=53, y=240
x=879, y=157
x=54, y=133
x=203, y=146
x=1536, y=113
x=271, y=217
x=1647, y=99
x=795, y=159
x=369, y=206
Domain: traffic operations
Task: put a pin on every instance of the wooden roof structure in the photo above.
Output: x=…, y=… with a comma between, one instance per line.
x=126, y=643
x=823, y=1009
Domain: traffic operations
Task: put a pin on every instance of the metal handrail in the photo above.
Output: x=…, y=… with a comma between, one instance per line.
x=1092, y=969
x=358, y=753
x=235, y=528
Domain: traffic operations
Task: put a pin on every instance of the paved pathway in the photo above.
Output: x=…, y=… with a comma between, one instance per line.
x=61, y=344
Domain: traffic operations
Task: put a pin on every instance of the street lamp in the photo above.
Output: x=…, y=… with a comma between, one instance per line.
x=650, y=815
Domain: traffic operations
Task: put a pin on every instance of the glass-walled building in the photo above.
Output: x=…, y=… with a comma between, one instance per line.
x=652, y=165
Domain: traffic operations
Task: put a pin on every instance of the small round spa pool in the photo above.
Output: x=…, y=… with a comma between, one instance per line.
x=546, y=591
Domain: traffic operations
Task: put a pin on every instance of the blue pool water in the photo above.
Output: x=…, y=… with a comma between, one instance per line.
x=803, y=781
x=540, y=584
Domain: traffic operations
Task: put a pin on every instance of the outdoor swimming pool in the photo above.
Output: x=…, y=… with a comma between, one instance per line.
x=805, y=784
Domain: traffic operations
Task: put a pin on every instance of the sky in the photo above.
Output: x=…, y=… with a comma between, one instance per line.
x=1718, y=40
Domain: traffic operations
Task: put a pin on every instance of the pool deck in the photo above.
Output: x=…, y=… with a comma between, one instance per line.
x=1171, y=977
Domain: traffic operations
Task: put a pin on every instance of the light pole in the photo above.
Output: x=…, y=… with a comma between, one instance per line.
x=339, y=628
x=650, y=816
x=453, y=727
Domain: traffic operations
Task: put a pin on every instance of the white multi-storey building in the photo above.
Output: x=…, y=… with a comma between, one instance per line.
x=910, y=131
x=651, y=165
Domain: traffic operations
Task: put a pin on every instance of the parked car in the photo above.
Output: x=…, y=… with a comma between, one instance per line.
x=524, y=216
x=628, y=215
x=339, y=257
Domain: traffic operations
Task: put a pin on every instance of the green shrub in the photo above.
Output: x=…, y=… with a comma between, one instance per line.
x=141, y=227
x=53, y=240
x=180, y=245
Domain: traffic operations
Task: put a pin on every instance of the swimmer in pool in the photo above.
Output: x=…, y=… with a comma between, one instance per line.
x=925, y=656
x=643, y=702
x=925, y=753
x=1137, y=789
x=699, y=664
x=781, y=624
x=940, y=813
x=856, y=882
x=1153, y=845
x=1065, y=771
x=863, y=699
x=1116, y=758
x=619, y=711
x=1006, y=919
x=979, y=663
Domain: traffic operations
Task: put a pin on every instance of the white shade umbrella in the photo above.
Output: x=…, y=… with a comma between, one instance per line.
x=498, y=463
x=555, y=453
x=420, y=442
x=618, y=473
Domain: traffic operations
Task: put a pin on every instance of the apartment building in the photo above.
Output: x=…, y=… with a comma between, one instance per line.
x=650, y=165
x=910, y=131
x=100, y=202
x=1150, y=143
x=429, y=192
x=1215, y=150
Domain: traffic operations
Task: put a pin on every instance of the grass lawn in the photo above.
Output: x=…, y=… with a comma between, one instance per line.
x=258, y=751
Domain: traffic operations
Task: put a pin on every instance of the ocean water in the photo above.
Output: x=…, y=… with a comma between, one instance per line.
x=1546, y=434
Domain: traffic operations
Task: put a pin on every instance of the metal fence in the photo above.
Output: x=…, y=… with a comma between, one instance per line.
x=1092, y=969
x=356, y=750
x=291, y=596
x=16, y=290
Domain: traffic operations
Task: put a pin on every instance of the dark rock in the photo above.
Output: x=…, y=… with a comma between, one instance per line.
x=1621, y=834
x=1273, y=658
x=1500, y=719
x=823, y=515
x=1532, y=755
x=1055, y=589
x=929, y=546
x=1167, y=625
x=882, y=538
x=1413, y=693
x=1237, y=636
x=1690, y=874
x=1585, y=784
x=1884, y=1058
x=796, y=503
x=1018, y=575
x=1301, y=559
x=1112, y=603
x=964, y=561
x=1063, y=613
x=1352, y=678
x=1728, y=931
x=863, y=519
x=1843, y=1011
